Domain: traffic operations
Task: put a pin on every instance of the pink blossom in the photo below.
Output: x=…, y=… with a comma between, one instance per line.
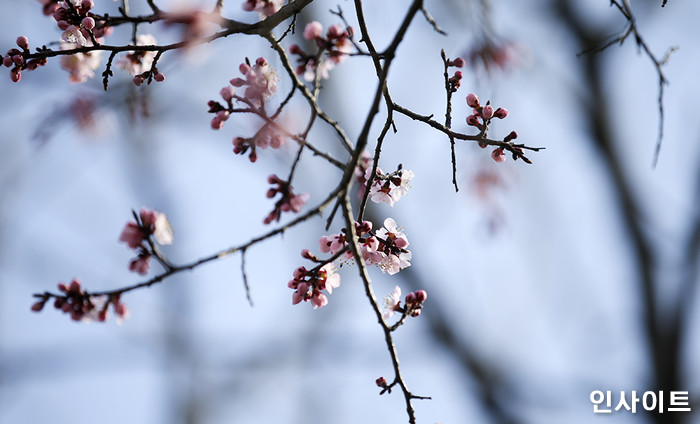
x=74, y=35
x=81, y=66
x=140, y=264
x=138, y=62
x=313, y=30
x=132, y=235
x=392, y=302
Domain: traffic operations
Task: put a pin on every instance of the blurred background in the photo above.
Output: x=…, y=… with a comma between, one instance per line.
x=546, y=281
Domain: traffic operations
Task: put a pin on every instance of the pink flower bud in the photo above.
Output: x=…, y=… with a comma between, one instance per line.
x=498, y=155
x=482, y=144
x=63, y=25
x=15, y=74
x=87, y=4
x=216, y=123
x=88, y=23
x=38, y=306
x=227, y=93
x=459, y=62
x=271, y=193
x=294, y=49
x=472, y=120
x=18, y=59
x=32, y=64
x=138, y=80
x=512, y=136
x=501, y=113
x=410, y=299
x=244, y=68
x=312, y=30
x=159, y=77
x=253, y=157
x=473, y=100
x=238, y=82
x=421, y=296
x=458, y=75
x=487, y=112
x=261, y=61
x=23, y=42
x=273, y=179
x=7, y=61
x=223, y=115
x=74, y=286
x=381, y=382
x=335, y=31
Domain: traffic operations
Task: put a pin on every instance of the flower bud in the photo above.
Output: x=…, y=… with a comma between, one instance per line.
x=18, y=59
x=459, y=62
x=381, y=382
x=88, y=23
x=23, y=42
x=38, y=306
x=487, y=112
x=138, y=80
x=7, y=61
x=159, y=77
x=15, y=74
x=472, y=120
x=501, y=113
x=512, y=136
x=498, y=155
x=421, y=295
x=294, y=49
x=227, y=93
x=473, y=100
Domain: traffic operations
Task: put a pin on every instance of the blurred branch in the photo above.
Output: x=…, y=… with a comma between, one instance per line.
x=625, y=9
x=663, y=337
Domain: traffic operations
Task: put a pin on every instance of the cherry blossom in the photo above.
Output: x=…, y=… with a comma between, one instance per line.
x=392, y=248
x=336, y=45
x=289, y=202
x=80, y=305
x=392, y=302
x=81, y=66
x=309, y=284
x=138, y=62
x=389, y=188
x=260, y=81
x=264, y=8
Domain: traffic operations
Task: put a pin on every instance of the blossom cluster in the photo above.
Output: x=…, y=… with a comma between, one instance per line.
x=335, y=44
x=389, y=188
x=146, y=224
x=260, y=84
x=264, y=8
x=14, y=59
x=81, y=306
x=77, y=24
x=414, y=303
x=139, y=63
x=455, y=81
x=481, y=118
x=386, y=248
x=289, y=201
x=309, y=284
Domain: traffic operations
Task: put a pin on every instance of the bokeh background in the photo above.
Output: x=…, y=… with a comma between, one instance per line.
x=545, y=281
